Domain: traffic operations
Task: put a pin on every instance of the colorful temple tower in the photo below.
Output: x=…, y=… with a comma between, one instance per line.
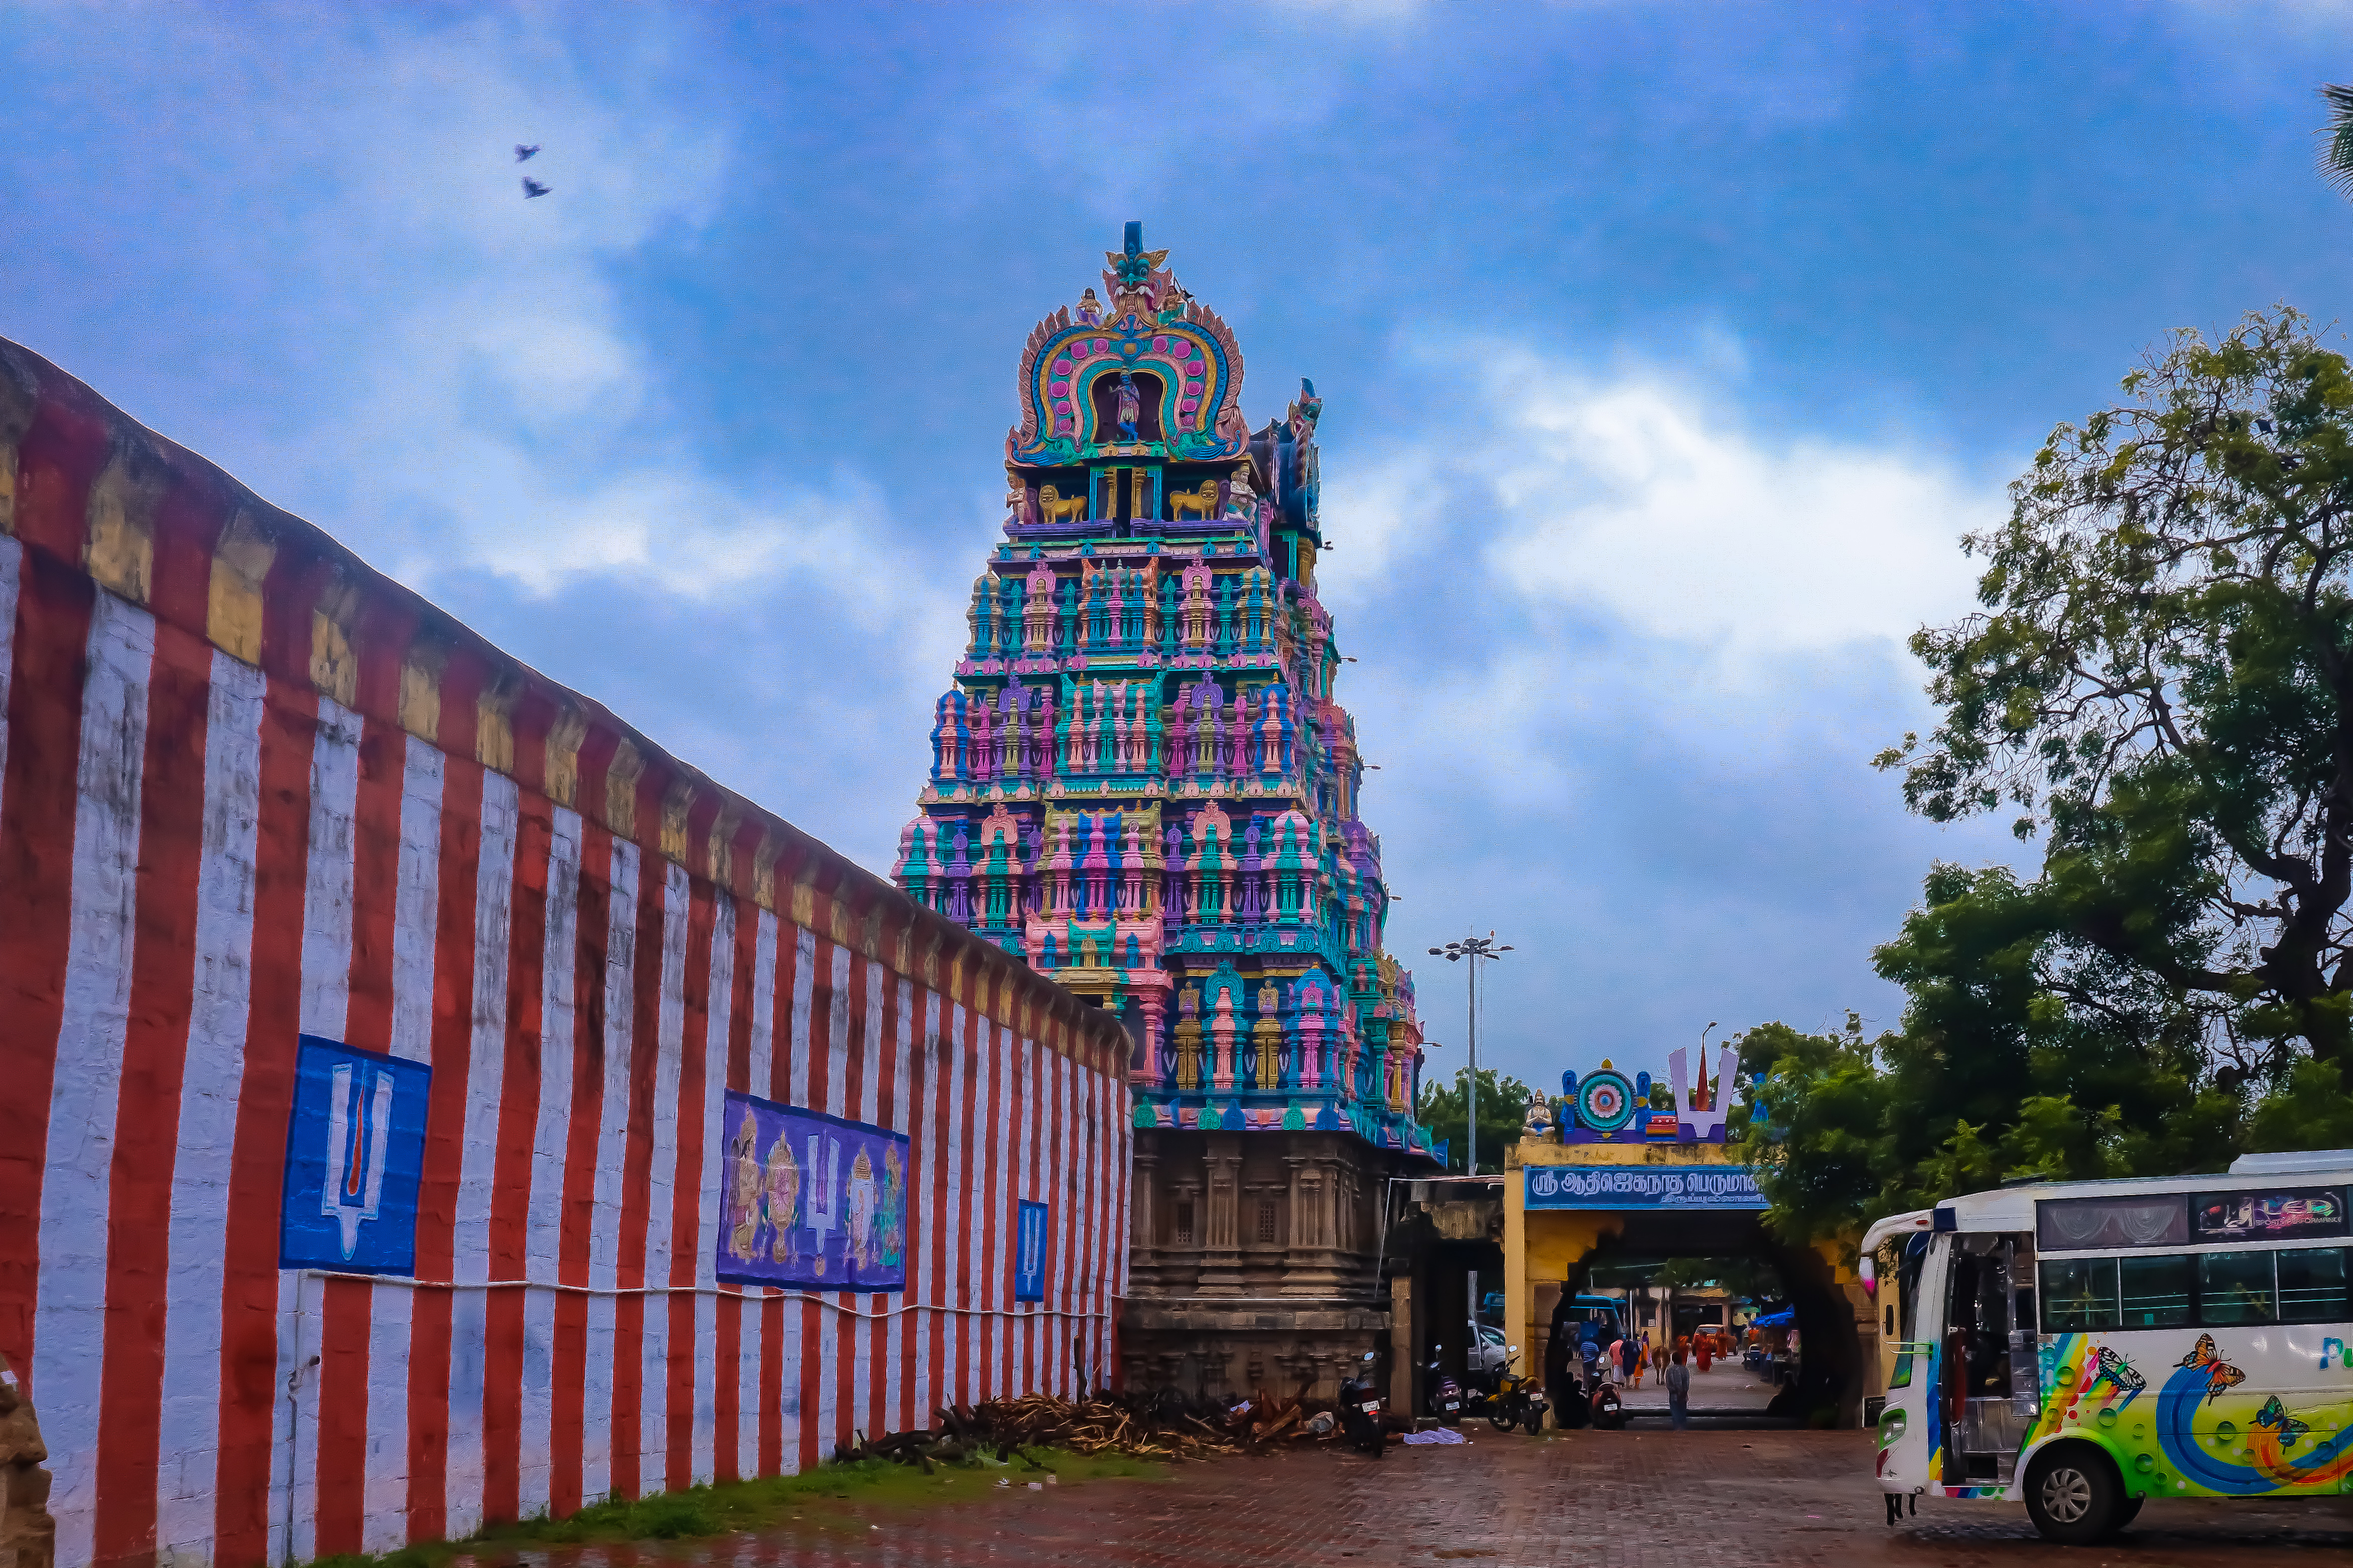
x=1140, y=782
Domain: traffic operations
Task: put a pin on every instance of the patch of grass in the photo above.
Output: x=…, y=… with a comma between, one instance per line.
x=836, y=1496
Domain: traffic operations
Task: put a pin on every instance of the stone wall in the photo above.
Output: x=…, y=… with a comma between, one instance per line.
x=257, y=802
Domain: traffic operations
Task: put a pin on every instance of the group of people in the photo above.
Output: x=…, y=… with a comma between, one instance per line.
x=1608, y=1358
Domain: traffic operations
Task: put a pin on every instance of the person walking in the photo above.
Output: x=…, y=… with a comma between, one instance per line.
x=1702, y=1342
x=1678, y=1392
x=1633, y=1350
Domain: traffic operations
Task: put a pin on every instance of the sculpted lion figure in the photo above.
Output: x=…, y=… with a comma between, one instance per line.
x=1201, y=503
x=1052, y=508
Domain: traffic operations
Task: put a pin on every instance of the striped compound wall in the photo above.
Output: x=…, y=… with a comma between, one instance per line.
x=272, y=826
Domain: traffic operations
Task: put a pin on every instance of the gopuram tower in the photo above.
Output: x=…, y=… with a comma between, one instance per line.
x=1142, y=784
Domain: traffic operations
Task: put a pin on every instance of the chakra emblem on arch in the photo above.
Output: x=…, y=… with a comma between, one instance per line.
x=1604, y=1101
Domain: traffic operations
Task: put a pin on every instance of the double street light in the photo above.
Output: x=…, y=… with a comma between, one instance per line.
x=1472, y=948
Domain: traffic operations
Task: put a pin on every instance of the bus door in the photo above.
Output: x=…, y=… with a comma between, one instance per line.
x=1987, y=1369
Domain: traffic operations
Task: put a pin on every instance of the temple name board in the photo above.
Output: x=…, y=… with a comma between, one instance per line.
x=1624, y=1188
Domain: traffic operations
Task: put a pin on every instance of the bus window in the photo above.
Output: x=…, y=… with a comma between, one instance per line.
x=2312, y=1285
x=2234, y=1287
x=2156, y=1291
x=2079, y=1295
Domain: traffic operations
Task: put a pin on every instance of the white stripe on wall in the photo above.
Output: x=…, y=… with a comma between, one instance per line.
x=543, y=1221
x=477, y=1152
x=69, y=1314
x=188, y=1445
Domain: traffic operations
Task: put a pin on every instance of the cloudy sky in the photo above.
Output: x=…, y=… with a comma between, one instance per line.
x=1666, y=351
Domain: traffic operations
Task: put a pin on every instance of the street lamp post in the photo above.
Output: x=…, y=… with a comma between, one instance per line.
x=1473, y=948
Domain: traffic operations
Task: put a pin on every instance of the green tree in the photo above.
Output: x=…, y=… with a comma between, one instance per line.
x=2337, y=138
x=1503, y=1106
x=2162, y=685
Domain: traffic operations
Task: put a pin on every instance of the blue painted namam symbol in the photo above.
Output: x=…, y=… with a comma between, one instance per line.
x=355, y=1152
x=1030, y=1254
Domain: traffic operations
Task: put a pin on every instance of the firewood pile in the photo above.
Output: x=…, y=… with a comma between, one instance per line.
x=1164, y=1427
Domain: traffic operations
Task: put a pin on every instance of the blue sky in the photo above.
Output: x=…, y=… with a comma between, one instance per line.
x=1666, y=351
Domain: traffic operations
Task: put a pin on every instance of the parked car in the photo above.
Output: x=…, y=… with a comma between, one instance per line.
x=1487, y=1352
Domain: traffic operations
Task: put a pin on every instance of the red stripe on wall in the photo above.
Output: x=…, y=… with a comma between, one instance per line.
x=808, y=1384
x=445, y=1132
x=727, y=1397
x=820, y=1057
x=779, y=1088
x=820, y=1021
x=772, y=1383
x=147, y=1114
x=345, y=1309
x=937, y=1162
x=36, y=836
x=686, y=1188
x=250, y=1383
x=886, y=1114
x=59, y=453
x=567, y=1409
x=967, y=1247
x=637, y=1167
x=850, y=1326
x=375, y=880
x=920, y=1160
x=512, y=1164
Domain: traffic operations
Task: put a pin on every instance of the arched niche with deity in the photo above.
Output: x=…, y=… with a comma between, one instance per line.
x=1154, y=354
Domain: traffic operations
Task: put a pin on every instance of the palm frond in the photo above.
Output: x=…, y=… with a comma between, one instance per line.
x=2337, y=138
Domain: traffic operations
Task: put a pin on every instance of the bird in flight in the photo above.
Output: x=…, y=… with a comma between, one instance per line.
x=532, y=187
x=523, y=153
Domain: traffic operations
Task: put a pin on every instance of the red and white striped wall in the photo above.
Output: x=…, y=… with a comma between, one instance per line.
x=250, y=789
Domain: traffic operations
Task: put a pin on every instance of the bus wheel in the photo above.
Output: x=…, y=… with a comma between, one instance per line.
x=2074, y=1495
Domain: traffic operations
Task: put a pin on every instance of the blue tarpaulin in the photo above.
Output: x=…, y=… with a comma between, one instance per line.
x=1786, y=1318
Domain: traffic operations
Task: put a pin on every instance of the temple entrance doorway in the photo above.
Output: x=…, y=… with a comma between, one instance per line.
x=1631, y=1223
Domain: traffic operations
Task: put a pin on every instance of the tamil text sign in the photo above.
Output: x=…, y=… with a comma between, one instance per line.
x=1642, y=1187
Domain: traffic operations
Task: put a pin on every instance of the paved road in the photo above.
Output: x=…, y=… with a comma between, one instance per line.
x=1624, y=1499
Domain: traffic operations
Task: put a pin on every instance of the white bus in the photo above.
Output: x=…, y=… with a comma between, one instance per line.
x=2083, y=1346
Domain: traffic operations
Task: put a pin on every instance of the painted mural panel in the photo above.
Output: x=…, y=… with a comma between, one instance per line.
x=811, y=1200
x=354, y=1153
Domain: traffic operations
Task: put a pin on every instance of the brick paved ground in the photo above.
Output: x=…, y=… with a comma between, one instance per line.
x=1631, y=1499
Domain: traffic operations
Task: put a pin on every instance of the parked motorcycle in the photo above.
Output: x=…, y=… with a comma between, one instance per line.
x=1445, y=1396
x=1518, y=1400
x=1360, y=1411
x=1609, y=1410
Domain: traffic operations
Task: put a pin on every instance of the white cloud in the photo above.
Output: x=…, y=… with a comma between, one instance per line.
x=1635, y=497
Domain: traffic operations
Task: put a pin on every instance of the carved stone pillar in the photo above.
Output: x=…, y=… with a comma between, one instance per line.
x=1221, y=1262
x=1312, y=1263
x=1149, y=1067
x=1144, y=1214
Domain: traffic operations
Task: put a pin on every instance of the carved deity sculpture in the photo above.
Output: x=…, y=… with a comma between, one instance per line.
x=1130, y=406
x=1090, y=309
x=1017, y=497
x=1240, y=499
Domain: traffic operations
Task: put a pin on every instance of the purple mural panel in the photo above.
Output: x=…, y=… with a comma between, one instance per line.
x=811, y=1201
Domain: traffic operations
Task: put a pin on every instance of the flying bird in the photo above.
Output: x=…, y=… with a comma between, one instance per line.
x=532, y=187
x=523, y=153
